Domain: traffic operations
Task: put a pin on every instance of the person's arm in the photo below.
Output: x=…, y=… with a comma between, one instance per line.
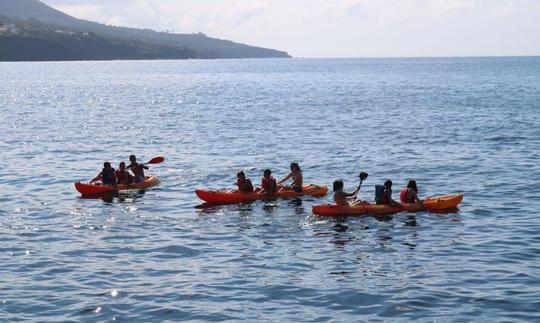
x=96, y=179
x=391, y=201
x=353, y=194
x=418, y=200
x=285, y=179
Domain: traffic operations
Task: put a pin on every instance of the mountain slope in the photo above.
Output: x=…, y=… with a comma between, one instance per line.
x=34, y=15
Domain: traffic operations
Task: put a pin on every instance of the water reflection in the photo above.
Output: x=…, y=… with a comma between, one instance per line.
x=117, y=197
x=296, y=203
x=411, y=221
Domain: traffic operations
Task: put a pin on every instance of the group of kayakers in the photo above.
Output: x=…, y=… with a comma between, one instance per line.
x=383, y=193
x=269, y=185
x=110, y=176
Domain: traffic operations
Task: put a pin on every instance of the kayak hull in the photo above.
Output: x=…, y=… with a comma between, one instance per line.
x=431, y=204
x=223, y=197
x=88, y=189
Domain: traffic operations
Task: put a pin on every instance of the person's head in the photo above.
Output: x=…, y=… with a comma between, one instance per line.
x=107, y=165
x=338, y=185
x=295, y=167
x=388, y=184
x=133, y=159
x=122, y=166
x=267, y=173
x=241, y=174
x=412, y=185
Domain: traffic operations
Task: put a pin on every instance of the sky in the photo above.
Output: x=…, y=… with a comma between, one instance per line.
x=337, y=28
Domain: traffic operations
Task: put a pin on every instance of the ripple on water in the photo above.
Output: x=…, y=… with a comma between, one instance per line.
x=455, y=125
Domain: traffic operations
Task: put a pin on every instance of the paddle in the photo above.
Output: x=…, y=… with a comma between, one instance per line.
x=363, y=176
x=156, y=160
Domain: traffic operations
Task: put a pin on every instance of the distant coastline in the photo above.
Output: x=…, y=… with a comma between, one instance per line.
x=32, y=31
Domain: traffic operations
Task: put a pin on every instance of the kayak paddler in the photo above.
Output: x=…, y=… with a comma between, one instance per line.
x=409, y=194
x=268, y=183
x=342, y=198
x=137, y=169
x=244, y=184
x=122, y=175
x=296, y=176
x=383, y=194
x=107, y=175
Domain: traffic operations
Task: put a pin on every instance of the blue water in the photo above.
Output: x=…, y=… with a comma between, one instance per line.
x=468, y=125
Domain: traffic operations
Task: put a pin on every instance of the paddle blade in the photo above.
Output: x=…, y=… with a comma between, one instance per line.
x=157, y=160
x=363, y=176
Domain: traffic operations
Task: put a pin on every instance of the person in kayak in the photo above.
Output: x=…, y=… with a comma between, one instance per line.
x=342, y=198
x=296, y=176
x=107, y=175
x=244, y=184
x=137, y=169
x=122, y=175
x=383, y=194
x=409, y=194
x=268, y=183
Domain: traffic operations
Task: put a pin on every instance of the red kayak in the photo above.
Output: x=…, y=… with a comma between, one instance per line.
x=431, y=204
x=89, y=189
x=222, y=197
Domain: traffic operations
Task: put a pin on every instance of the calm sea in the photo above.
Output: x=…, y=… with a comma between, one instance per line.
x=468, y=125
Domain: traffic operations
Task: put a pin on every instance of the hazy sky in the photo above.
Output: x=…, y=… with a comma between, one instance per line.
x=338, y=28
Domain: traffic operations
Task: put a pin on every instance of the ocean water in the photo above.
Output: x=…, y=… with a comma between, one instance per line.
x=469, y=125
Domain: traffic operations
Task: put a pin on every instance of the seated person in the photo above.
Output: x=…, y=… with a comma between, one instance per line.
x=107, y=176
x=342, y=198
x=409, y=194
x=122, y=175
x=268, y=183
x=137, y=169
x=244, y=184
x=296, y=176
x=383, y=194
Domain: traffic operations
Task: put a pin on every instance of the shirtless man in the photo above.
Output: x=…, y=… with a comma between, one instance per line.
x=137, y=169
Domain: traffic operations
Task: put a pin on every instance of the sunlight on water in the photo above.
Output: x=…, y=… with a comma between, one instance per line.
x=455, y=125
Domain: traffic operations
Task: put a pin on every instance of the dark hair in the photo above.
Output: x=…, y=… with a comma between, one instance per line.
x=132, y=157
x=388, y=184
x=122, y=164
x=338, y=185
x=295, y=164
x=412, y=185
x=241, y=174
x=105, y=164
x=267, y=172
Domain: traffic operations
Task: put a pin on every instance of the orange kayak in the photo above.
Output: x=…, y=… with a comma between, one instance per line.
x=242, y=197
x=88, y=189
x=431, y=204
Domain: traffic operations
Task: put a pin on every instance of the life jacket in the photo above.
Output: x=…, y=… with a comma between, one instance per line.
x=123, y=177
x=240, y=182
x=108, y=177
x=270, y=184
x=403, y=195
x=381, y=194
